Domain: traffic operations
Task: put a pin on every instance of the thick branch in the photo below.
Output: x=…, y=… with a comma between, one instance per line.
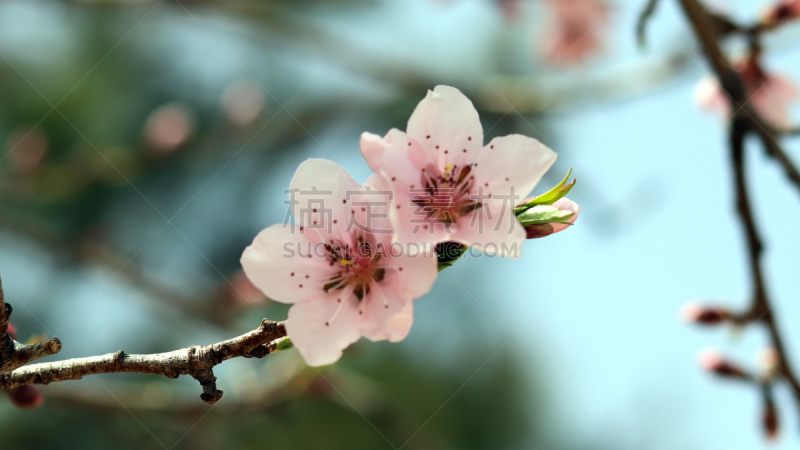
x=197, y=361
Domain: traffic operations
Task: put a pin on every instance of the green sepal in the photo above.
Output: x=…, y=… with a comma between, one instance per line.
x=543, y=214
x=285, y=343
x=549, y=197
x=448, y=253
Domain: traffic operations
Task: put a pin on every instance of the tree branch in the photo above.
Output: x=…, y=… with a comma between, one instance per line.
x=706, y=32
x=746, y=120
x=197, y=361
x=14, y=354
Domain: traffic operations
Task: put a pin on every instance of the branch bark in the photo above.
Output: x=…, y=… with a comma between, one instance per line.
x=196, y=361
x=746, y=120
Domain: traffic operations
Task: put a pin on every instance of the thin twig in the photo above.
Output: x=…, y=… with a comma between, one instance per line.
x=644, y=18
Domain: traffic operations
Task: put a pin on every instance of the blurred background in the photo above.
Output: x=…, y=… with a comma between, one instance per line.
x=145, y=143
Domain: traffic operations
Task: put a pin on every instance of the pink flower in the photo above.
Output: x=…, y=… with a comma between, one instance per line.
x=338, y=266
x=576, y=30
x=447, y=185
x=542, y=230
x=770, y=95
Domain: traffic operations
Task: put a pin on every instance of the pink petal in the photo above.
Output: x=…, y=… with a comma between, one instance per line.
x=377, y=199
x=417, y=272
x=773, y=98
x=565, y=204
x=388, y=314
x=709, y=96
x=275, y=264
x=513, y=161
x=397, y=156
x=783, y=87
x=321, y=205
x=447, y=126
x=318, y=343
x=493, y=230
x=772, y=110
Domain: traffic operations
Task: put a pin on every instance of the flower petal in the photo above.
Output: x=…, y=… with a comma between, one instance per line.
x=513, y=161
x=492, y=229
x=399, y=157
x=320, y=193
x=417, y=270
x=322, y=327
x=447, y=125
x=387, y=314
x=278, y=263
x=709, y=96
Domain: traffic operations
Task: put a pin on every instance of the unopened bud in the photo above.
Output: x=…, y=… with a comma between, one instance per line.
x=770, y=420
x=782, y=12
x=12, y=331
x=544, y=220
x=26, y=397
x=714, y=362
x=706, y=315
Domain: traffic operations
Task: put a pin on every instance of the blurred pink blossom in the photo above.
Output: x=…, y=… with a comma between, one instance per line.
x=169, y=127
x=26, y=397
x=511, y=9
x=335, y=267
x=28, y=148
x=782, y=11
x=769, y=94
x=448, y=185
x=576, y=30
x=242, y=290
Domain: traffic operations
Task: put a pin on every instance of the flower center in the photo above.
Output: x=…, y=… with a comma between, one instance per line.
x=356, y=266
x=446, y=196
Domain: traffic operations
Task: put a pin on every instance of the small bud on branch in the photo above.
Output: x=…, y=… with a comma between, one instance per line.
x=714, y=362
x=705, y=315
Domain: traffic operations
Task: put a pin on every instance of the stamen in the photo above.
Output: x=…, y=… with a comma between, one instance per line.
x=341, y=304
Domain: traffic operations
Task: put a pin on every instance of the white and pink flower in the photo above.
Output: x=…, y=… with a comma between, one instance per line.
x=448, y=185
x=769, y=94
x=576, y=30
x=337, y=266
